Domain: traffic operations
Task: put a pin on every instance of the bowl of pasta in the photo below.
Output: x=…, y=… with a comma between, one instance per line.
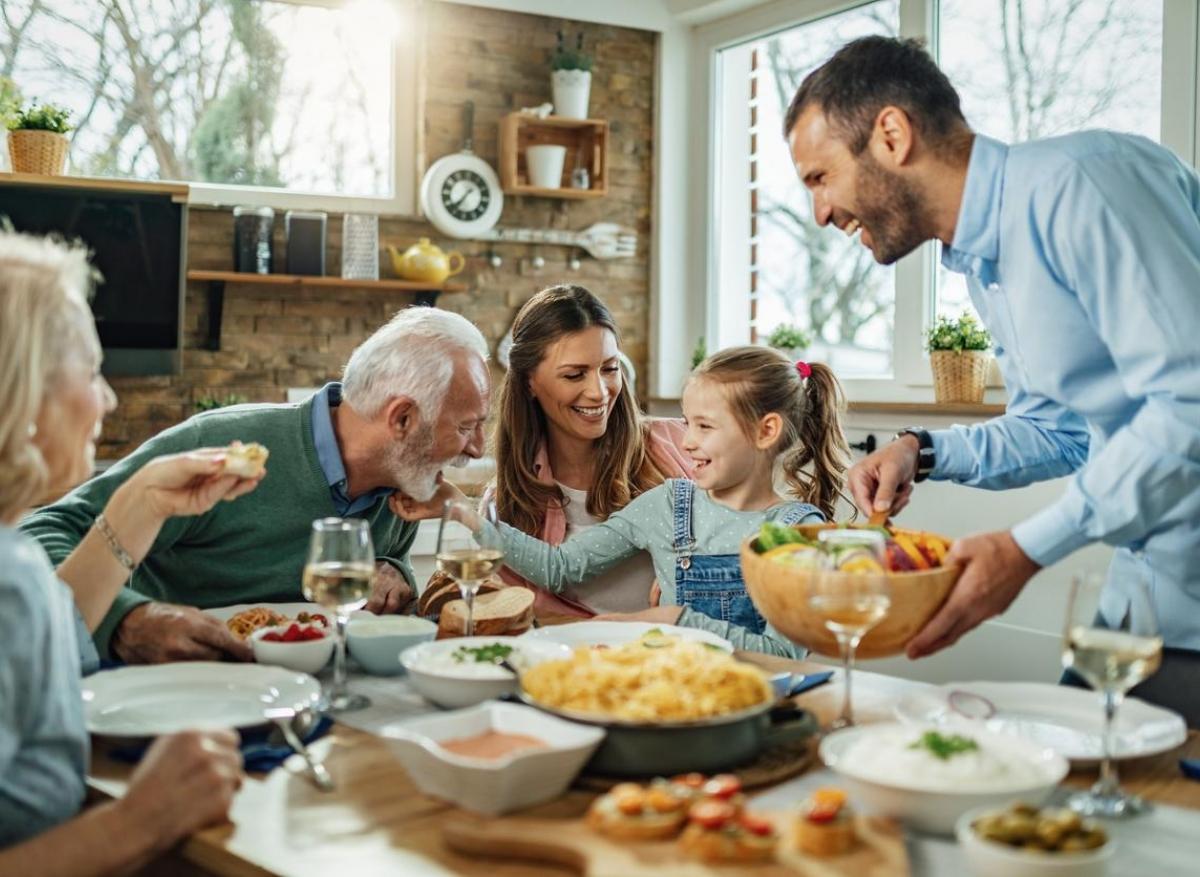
x=780, y=563
x=668, y=705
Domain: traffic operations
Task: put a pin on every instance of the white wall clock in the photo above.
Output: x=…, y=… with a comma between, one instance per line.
x=460, y=193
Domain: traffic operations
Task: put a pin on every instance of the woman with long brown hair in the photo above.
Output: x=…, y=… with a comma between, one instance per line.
x=571, y=444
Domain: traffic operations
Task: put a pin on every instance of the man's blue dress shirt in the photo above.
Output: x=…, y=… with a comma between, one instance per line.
x=1082, y=256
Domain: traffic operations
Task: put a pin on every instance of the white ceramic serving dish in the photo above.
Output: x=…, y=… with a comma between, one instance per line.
x=453, y=687
x=934, y=809
x=148, y=700
x=1068, y=720
x=616, y=633
x=493, y=786
x=377, y=641
x=987, y=858
x=304, y=656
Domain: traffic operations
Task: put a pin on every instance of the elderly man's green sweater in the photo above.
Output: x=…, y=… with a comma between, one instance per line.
x=249, y=550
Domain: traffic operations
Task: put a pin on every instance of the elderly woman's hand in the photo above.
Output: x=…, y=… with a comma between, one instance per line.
x=190, y=483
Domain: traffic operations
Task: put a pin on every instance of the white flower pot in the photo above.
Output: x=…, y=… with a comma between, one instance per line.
x=545, y=165
x=571, y=90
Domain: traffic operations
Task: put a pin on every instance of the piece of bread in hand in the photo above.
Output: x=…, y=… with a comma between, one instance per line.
x=245, y=461
x=441, y=589
x=508, y=611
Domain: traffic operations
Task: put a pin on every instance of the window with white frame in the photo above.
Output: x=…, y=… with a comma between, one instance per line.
x=246, y=96
x=1024, y=68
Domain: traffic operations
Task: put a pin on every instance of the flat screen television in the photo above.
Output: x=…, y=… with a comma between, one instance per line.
x=139, y=245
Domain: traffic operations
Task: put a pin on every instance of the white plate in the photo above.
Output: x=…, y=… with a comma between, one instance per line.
x=1066, y=719
x=615, y=633
x=201, y=695
x=291, y=610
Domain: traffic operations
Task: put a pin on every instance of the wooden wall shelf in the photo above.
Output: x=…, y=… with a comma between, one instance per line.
x=586, y=141
x=426, y=293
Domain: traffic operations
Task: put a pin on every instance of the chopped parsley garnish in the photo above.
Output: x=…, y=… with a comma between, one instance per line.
x=944, y=747
x=492, y=653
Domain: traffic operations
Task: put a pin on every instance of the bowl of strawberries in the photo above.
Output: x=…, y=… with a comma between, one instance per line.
x=305, y=648
x=781, y=563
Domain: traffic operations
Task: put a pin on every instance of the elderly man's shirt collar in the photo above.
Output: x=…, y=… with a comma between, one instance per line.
x=330, y=455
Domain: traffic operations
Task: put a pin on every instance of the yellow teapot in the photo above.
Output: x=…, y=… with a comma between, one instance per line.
x=425, y=262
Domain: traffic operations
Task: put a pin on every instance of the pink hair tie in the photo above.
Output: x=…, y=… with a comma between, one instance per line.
x=804, y=368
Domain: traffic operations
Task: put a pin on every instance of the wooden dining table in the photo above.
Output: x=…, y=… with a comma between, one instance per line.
x=377, y=822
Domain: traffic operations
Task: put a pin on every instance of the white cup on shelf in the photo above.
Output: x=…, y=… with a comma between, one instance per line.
x=544, y=164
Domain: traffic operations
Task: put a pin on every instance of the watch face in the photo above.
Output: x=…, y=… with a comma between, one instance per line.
x=466, y=195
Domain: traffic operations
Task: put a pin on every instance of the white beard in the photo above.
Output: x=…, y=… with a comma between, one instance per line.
x=415, y=474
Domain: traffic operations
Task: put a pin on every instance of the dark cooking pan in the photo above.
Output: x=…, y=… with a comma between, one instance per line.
x=644, y=749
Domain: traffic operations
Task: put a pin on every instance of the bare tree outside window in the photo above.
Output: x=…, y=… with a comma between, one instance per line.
x=234, y=92
x=1028, y=69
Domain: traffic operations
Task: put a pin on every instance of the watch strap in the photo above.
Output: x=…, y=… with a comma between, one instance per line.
x=925, y=455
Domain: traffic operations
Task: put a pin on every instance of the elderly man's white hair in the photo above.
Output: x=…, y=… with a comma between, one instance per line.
x=412, y=355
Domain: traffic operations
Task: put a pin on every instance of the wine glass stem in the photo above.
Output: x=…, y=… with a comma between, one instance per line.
x=339, y=659
x=847, y=644
x=1108, y=784
x=468, y=596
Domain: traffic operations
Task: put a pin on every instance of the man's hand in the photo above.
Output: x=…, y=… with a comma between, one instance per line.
x=657, y=615
x=155, y=633
x=392, y=593
x=883, y=481
x=994, y=571
x=184, y=783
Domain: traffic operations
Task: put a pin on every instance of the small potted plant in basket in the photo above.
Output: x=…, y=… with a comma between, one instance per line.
x=792, y=340
x=961, y=357
x=37, y=141
x=571, y=79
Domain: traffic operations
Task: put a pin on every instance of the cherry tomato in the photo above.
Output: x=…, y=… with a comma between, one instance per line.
x=723, y=785
x=711, y=814
x=757, y=825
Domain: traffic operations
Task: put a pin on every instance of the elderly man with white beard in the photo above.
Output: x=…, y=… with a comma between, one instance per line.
x=413, y=399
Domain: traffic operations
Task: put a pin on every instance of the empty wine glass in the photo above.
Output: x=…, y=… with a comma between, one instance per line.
x=1111, y=659
x=469, y=550
x=850, y=593
x=338, y=574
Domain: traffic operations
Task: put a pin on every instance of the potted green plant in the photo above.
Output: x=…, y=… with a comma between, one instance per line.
x=792, y=340
x=699, y=352
x=571, y=79
x=960, y=355
x=37, y=141
x=10, y=103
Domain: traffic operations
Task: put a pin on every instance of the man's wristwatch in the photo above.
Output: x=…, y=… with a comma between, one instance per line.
x=925, y=458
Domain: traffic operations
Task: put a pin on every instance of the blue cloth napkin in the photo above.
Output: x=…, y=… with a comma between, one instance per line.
x=258, y=756
x=809, y=681
x=1190, y=768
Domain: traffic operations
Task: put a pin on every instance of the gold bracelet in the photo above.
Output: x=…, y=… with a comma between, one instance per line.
x=114, y=544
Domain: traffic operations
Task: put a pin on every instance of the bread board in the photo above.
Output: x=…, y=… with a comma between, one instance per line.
x=880, y=851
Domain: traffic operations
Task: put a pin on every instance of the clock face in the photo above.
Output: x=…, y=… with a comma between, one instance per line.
x=466, y=195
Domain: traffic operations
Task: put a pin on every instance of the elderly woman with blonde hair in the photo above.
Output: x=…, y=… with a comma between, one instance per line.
x=52, y=401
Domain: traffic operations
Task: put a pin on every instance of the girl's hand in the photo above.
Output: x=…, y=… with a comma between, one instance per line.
x=655, y=594
x=657, y=615
x=408, y=509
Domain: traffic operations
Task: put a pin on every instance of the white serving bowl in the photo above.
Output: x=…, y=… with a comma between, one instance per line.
x=432, y=674
x=306, y=656
x=925, y=806
x=486, y=785
x=377, y=641
x=986, y=858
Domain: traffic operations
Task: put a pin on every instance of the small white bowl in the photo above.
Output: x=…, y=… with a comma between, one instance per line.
x=434, y=675
x=917, y=802
x=986, y=858
x=486, y=785
x=306, y=656
x=377, y=641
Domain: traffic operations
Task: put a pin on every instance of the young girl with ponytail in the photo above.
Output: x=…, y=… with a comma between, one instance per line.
x=747, y=409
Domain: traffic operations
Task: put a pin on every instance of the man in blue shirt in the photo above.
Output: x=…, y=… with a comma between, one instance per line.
x=1082, y=256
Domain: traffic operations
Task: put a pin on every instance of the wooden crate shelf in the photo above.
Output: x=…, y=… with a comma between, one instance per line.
x=586, y=141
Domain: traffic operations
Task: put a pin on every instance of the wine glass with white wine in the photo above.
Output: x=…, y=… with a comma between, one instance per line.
x=338, y=574
x=850, y=593
x=1111, y=658
x=469, y=550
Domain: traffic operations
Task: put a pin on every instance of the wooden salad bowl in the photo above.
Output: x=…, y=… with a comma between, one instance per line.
x=780, y=593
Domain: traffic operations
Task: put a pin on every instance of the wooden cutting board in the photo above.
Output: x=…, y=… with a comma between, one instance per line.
x=568, y=842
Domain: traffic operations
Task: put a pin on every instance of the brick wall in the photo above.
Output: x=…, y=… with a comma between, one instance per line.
x=273, y=339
